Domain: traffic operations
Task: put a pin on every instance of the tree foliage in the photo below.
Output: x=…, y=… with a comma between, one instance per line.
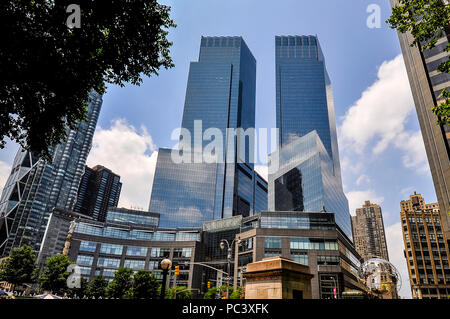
x=236, y=294
x=428, y=21
x=211, y=293
x=97, y=287
x=48, y=69
x=121, y=286
x=19, y=267
x=145, y=285
x=179, y=292
x=55, y=274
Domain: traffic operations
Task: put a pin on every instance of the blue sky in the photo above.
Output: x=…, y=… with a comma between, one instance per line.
x=381, y=149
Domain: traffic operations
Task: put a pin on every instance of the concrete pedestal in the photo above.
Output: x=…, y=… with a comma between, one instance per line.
x=277, y=278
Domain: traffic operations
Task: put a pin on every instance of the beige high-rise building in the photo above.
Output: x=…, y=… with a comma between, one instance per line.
x=426, y=250
x=368, y=232
x=427, y=84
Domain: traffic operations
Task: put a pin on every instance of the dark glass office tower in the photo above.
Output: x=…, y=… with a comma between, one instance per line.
x=304, y=96
x=99, y=189
x=221, y=94
x=305, y=181
x=304, y=173
x=36, y=186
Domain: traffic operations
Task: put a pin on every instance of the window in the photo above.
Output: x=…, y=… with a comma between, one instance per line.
x=85, y=271
x=139, y=219
x=88, y=229
x=136, y=251
x=272, y=242
x=245, y=259
x=160, y=252
x=314, y=243
x=111, y=249
x=246, y=244
x=108, y=262
x=182, y=252
x=161, y=236
x=85, y=260
x=108, y=272
x=331, y=245
x=187, y=236
x=88, y=246
x=301, y=258
x=142, y=235
x=115, y=232
x=328, y=260
x=134, y=264
x=153, y=264
x=268, y=254
x=299, y=243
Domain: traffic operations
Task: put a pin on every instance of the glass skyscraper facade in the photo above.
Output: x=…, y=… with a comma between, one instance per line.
x=99, y=189
x=304, y=96
x=36, y=186
x=305, y=174
x=183, y=194
x=305, y=181
x=221, y=94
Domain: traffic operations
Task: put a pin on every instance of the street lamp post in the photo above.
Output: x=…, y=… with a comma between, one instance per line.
x=165, y=266
x=229, y=247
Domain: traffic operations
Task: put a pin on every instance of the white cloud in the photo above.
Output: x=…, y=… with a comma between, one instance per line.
x=415, y=155
x=262, y=170
x=394, y=239
x=357, y=198
x=363, y=179
x=129, y=153
x=382, y=109
x=350, y=165
x=378, y=118
x=5, y=170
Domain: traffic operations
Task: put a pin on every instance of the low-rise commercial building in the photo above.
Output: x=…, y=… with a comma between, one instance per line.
x=101, y=248
x=133, y=239
x=312, y=239
x=128, y=238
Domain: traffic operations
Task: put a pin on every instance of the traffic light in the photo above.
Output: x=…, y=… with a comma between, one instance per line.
x=209, y=284
x=177, y=270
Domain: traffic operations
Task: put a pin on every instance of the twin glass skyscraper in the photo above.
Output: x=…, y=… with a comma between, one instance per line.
x=220, y=94
x=307, y=175
x=304, y=97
